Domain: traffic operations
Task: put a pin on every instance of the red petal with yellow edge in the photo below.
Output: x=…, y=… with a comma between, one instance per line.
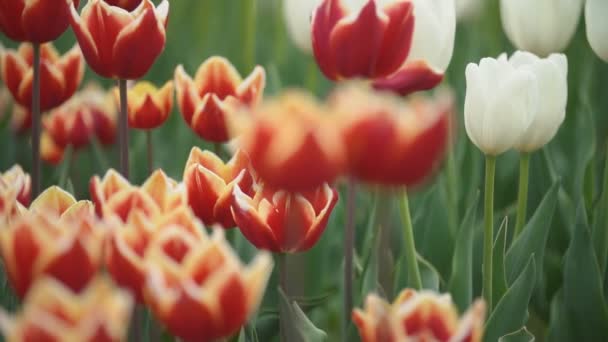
x=413, y=77
x=72, y=69
x=203, y=189
x=129, y=201
x=102, y=189
x=217, y=76
x=45, y=21
x=253, y=227
x=53, y=200
x=320, y=223
x=209, y=121
x=397, y=38
x=147, y=116
x=324, y=19
x=124, y=271
x=24, y=250
x=50, y=152
x=187, y=94
x=233, y=301
x=87, y=43
x=10, y=19
x=76, y=257
x=190, y=320
x=52, y=87
x=251, y=90
x=14, y=69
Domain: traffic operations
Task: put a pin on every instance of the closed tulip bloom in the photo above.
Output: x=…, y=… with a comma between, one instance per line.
x=199, y=290
x=292, y=142
x=60, y=76
x=297, y=16
x=390, y=141
x=500, y=104
x=431, y=49
x=36, y=21
x=148, y=106
x=53, y=312
x=129, y=43
x=129, y=5
x=362, y=38
x=520, y=20
x=209, y=184
x=597, y=27
x=418, y=316
x=207, y=101
x=22, y=183
x=283, y=222
x=50, y=152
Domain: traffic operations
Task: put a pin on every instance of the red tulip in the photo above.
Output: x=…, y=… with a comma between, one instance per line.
x=199, y=290
x=206, y=101
x=129, y=5
x=209, y=184
x=20, y=181
x=117, y=43
x=369, y=42
x=423, y=316
x=390, y=141
x=60, y=76
x=50, y=152
x=283, y=222
x=148, y=106
x=36, y=21
x=55, y=313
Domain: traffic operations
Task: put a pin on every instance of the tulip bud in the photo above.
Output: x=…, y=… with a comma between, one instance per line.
x=20, y=181
x=520, y=20
x=297, y=14
x=500, y=104
x=418, y=316
x=148, y=106
x=54, y=313
x=597, y=26
x=36, y=21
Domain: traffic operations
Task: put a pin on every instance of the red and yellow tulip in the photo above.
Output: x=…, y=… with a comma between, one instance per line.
x=148, y=106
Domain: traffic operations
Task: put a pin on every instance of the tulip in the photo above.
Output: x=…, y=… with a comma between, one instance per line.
x=418, y=316
x=36, y=21
x=209, y=184
x=56, y=236
x=130, y=42
x=369, y=40
x=9, y=206
x=389, y=141
x=60, y=76
x=20, y=181
x=431, y=49
x=50, y=152
x=283, y=222
x=286, y=137
x=148, y=107
x=128, y=5
x=297, y=15
x=127, y=246
x=55, y=313
x=200, y=290
x=551, y=34
x=597, y=28
x=21, y=119
x=206, y=101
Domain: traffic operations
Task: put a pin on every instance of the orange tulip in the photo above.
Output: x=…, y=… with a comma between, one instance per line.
x=390, y=141
x=148, y=106
x=60, y=76
x=209, y=184
x=55, y=237
x=423, y=316
x=54, y=313
x=114, y=195
x=129, y=42
x=283, y=222
x=206, y=101
x=292, y=142
x=127, y=246
x=200, y=290
x=50, y=152
x=37, y=21
x=129, y=5
x=20, y=181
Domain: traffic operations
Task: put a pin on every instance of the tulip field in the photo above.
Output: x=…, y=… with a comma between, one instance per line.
x=304, y=170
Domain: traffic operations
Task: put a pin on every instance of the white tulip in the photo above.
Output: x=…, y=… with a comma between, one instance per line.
x=501, y=101
x=596, y=19
x=297, y=15
x=540, y=26
x=468, y=9
x=552, y=79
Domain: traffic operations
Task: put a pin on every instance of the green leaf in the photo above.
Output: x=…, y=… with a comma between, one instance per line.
x=461, y=281
x=521, y=335
x=430, y=276
x=533, y=238
x=499, y=280
x=511, y=312
x=299, y=327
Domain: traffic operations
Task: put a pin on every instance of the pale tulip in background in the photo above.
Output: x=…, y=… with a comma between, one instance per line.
x=552, y=79
x=596, y=20
x=468, y=9
x=297, y=18
x=541, y=26
x=500, y=103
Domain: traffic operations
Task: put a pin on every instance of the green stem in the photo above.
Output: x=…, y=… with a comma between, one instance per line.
x=522, y=197
x=349, y=246
x=488, y=240
x=452, y=191
x=413, y=272
x=36, y=124
x=249, y=34
x=601, y=229
x=284, y=284
x=150, y=151
x=123, y=130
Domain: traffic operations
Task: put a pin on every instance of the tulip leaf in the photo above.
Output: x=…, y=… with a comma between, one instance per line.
x=511, y=312
x=428, y=273
x=521, y=335
x=461, y=281
x=499, y=282
x=533, y=238
x=299, y=327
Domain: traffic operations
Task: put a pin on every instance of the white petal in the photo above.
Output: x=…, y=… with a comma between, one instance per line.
x=596, y=15
x=297, y=15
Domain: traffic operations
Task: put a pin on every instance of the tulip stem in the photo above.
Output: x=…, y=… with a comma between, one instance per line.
x=284, y=285
x=600, y=233
x=36, y=124
x=150, y=151
x=488, y=230
x=349, y=246
x=123, y=127
x=522, y=197
x=413, y=272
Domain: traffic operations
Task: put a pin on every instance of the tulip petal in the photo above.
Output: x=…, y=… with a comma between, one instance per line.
x=53, y=200
x=217, y=76
x=251, y=90
x=209, y=119
x=10, y=19
x=324, y=19
x=414, y=76
x=251, y=224
x=187, y=94
x=398, y=37
x=86, y=41
x=14, y=69
x=45, y=20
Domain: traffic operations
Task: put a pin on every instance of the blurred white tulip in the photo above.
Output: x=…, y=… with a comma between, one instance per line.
x=596, y=19
x=468, y=9
x=540, y=26
x=297, y=15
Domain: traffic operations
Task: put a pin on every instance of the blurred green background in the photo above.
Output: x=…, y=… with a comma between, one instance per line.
x=250, y=32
